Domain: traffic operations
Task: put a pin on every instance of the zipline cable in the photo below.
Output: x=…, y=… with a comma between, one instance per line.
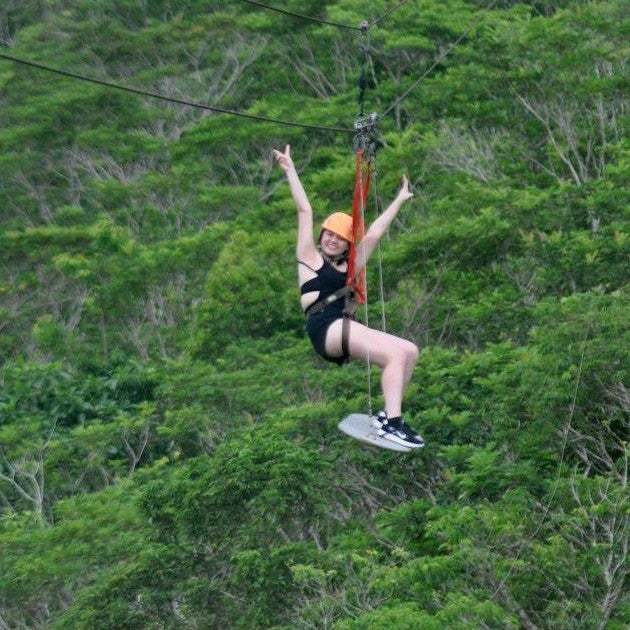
x=302, y=17
x=365, y=53
x=387, y=13
x=309, y=18
x=259, y=118
x=440, y=58
x=212, y=108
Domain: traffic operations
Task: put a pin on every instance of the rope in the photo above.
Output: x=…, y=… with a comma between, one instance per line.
x=440, y=58
x=368, y=362
x=212, y=108
x=378, y=247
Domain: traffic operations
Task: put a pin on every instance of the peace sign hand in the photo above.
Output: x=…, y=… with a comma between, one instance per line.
x=405, y=193
x=284, y=159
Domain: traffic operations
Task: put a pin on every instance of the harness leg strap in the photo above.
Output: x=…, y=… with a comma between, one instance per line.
x=345, y=337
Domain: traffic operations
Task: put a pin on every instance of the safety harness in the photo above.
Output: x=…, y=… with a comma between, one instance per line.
x=349, y=310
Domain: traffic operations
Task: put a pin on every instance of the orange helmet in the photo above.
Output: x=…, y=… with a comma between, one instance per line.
x=341, y=224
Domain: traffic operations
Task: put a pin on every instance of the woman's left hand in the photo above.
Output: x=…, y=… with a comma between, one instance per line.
x=405, y=193
x=284, y=159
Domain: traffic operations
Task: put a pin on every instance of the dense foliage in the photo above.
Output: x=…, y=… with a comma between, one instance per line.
x=169, y=457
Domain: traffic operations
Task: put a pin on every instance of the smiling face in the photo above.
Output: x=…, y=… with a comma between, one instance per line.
x=332, y=244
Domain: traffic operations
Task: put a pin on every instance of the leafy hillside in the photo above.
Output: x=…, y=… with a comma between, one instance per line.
x=169, y=457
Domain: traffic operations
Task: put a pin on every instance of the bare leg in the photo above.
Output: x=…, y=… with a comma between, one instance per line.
x=395, y=356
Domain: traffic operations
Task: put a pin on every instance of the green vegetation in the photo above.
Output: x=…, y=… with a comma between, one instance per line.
x=169, y=457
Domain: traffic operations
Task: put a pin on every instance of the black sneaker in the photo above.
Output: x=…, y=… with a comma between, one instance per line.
x=380, y=420
x=397, y=430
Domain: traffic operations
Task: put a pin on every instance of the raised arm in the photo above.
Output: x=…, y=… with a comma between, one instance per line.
x=306, y=249
x=380, y=225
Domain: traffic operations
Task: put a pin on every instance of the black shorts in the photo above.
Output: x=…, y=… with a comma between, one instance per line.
x=317, y=326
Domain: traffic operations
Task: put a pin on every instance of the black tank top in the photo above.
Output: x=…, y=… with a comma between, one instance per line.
x=327, y=281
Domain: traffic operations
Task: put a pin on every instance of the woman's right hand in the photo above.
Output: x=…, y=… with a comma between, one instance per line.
x=284, y=159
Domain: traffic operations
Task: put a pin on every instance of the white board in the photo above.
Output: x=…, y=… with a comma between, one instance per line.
x=359, y=426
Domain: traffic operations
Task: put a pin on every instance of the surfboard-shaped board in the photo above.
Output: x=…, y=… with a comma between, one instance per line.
x=359, y=426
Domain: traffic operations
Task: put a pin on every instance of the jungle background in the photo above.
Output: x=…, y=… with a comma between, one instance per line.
x=169, y=457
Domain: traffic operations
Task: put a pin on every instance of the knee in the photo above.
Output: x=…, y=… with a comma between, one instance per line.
x=406, y=354
x=412, y=352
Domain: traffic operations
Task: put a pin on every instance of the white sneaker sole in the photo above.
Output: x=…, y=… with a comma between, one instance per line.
x=398, y=440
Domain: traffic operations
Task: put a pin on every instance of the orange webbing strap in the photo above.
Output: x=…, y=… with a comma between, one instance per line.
x=355, y=280
x=361, y=189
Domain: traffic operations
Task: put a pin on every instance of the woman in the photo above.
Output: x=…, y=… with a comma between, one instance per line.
x=322, y=271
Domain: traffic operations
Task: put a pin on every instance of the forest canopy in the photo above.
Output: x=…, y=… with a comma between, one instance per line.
x=169, y=453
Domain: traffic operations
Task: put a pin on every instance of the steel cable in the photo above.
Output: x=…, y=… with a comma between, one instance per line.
x=170, y=99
